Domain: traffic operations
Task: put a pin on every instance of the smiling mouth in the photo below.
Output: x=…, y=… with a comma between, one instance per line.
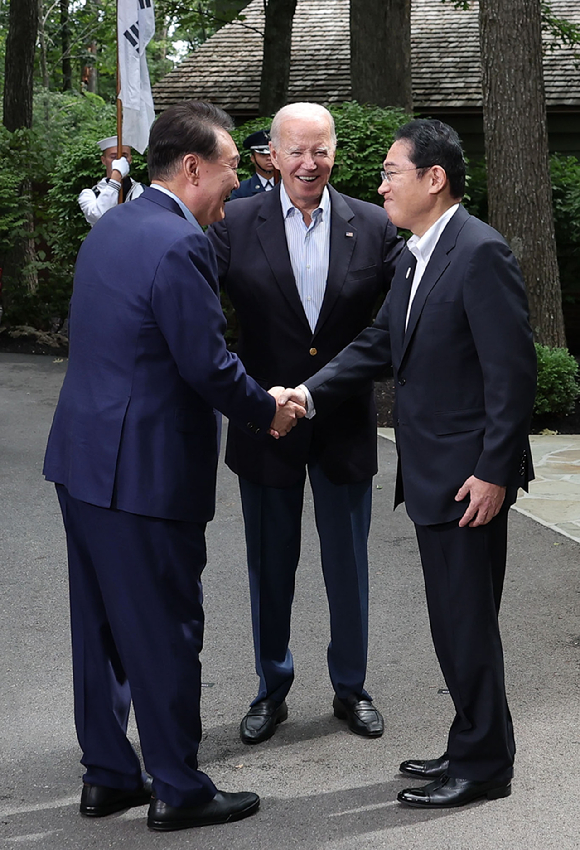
x=306, y=179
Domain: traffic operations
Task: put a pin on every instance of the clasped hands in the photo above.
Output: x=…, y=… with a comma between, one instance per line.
x=290, y=407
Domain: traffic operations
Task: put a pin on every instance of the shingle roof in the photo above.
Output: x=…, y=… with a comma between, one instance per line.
x=445, y=59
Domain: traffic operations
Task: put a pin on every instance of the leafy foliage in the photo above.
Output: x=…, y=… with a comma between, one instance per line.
x=558, y=386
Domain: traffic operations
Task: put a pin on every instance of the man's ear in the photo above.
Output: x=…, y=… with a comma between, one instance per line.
x=190, y=166
x=438, y=178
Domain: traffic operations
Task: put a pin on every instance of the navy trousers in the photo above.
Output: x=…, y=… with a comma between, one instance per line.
x=272, y=517
x=464, y=571
x=137, y=632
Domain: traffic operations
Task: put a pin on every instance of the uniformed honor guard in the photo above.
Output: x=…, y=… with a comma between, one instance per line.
x=105, y=195
x=265, y=177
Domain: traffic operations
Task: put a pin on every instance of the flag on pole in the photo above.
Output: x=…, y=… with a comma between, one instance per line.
x=135, y=28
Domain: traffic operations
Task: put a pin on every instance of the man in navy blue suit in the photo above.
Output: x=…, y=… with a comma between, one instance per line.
x=263, y=180
x=133, y=451
x=455, y=328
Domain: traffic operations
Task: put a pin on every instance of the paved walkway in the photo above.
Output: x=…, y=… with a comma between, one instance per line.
x=554, y=497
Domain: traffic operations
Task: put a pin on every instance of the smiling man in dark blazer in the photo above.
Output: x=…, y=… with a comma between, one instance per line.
x=304, y=266
x=455, y=327
x=133, y=451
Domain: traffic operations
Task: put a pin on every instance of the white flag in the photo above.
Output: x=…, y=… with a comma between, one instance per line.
x=135, y=28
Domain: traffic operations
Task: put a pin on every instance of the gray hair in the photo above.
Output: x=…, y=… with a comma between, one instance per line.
x=301, y=110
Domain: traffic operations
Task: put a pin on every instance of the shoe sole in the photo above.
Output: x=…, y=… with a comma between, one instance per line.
x=493, y=794
x=172, y=826
x=253, y=741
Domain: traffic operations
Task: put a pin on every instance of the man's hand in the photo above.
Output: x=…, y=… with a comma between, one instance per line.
x=287, y=413
x=290, y=394
x=485, y=501
x=121, y=166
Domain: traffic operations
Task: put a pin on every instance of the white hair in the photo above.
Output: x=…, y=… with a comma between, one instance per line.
x=301, y=110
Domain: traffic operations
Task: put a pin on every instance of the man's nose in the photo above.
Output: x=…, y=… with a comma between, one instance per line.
x=308, y=160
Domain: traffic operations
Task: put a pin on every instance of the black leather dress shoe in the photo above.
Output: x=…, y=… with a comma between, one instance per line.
x=223, y=808
x=361, y=715
x=97, y=801
x=447, y=792
x=427, y=768
x=260, y=722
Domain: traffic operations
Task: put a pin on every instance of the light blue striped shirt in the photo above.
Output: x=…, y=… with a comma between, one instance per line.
x=309, y=249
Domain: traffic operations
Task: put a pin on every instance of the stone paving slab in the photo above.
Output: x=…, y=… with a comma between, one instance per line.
x=554, y=496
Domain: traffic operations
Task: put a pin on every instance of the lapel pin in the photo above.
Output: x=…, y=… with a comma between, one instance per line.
x=408, y=272
x=349, y=233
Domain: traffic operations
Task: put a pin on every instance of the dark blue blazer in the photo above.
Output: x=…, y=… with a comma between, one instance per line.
x=135, y=426
x=248, y=188
x=465, y=370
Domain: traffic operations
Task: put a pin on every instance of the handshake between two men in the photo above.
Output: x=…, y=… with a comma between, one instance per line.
x=290, y=407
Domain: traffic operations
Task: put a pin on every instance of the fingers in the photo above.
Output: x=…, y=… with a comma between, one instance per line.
x=294, y=395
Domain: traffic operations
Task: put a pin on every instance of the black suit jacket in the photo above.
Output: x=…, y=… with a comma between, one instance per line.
x=465, y=370
x=276, y=343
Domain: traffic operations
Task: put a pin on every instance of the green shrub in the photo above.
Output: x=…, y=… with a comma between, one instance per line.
x=558, y=386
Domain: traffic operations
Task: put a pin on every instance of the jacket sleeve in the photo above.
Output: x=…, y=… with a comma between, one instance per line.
x=187, y=309
x=365, y=358
x=496, y=306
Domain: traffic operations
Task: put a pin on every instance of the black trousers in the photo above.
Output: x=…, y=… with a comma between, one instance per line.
x=464, y=571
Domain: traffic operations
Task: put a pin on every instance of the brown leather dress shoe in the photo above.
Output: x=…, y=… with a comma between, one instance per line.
x=448, y=792
x=260, y=722
x=426, y=768
x=98, y=801
x=361, y=715
x=223, y=808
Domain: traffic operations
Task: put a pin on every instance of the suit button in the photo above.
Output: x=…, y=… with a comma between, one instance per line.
x=402, y=382
x=313, y=351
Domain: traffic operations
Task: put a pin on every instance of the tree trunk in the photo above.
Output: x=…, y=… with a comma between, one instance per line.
x=19, y=63
x=276, y=57
x=65, y=41
x=516, y=149
x=380, y=52
x=89, y=74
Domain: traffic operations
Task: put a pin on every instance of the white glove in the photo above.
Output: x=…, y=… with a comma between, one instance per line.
x=120, y=165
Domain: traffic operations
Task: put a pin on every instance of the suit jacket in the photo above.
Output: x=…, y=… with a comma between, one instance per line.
x=465, y=370
x=135, y=426
x=248, y=188
x=276, y=343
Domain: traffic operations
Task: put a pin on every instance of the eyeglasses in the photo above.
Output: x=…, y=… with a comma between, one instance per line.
x=388, y=175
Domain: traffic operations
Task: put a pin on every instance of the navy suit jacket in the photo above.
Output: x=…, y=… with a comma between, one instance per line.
x=135, y=426
x=276, y=343
x=247, y=188
x=465, y=370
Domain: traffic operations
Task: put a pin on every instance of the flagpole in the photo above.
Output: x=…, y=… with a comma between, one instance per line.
x=119, y=109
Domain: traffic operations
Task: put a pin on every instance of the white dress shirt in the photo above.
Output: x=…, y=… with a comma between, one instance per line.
x=267, y=183
x=421, y=247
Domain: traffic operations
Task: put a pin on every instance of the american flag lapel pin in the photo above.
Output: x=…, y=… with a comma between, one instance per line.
x=349, y=233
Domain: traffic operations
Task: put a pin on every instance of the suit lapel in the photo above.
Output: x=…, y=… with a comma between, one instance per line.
x=438, y=263
x=272, y=237
x=343, y=237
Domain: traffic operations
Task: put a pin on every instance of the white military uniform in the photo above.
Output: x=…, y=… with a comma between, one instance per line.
x=104, y=196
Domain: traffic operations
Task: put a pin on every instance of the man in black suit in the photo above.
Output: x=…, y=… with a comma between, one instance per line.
x=455, y=327
x=263, y=179
x=303, y=266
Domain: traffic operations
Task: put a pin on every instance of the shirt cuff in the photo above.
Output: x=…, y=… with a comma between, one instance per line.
x=310, y=409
